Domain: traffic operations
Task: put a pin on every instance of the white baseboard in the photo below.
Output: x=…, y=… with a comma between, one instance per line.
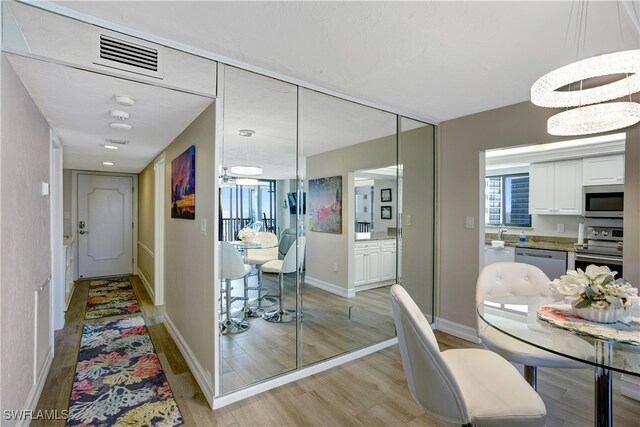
x=68, y=301
x=36, y=390
x=200, y=374
x=219, y=402
x=457, y=330
x=147, y=286
x=369, y=286
x=630, y=386
x=330, y=287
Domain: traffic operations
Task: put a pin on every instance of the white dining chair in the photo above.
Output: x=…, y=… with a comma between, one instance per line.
x=232, y=267
x=516, y=279
x=259, y=257
x=464, y=386
x=291, y=262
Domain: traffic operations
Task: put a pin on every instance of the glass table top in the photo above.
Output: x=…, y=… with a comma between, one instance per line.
x=517, y=317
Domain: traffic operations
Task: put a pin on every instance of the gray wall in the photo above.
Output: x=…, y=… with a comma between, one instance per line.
x=25, y=263
x=189, y=256
x=460, y=143
x=146, y=224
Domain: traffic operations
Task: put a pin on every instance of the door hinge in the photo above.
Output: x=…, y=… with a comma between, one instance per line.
x=132, y=225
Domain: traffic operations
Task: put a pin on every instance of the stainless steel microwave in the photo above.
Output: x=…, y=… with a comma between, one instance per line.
x=603, y=201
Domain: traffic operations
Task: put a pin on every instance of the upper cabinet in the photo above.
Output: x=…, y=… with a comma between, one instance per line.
x=605, y=170
x=556, y=188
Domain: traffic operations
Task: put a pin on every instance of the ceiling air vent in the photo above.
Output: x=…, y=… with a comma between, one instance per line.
x=129, y=56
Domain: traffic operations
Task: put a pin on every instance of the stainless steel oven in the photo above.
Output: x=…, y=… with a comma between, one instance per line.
x=603, y=201
x=604, y=244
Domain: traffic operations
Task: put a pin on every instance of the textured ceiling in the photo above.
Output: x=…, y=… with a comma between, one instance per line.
x=432, y=60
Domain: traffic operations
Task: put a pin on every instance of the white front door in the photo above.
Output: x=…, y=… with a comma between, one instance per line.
x=105, y=227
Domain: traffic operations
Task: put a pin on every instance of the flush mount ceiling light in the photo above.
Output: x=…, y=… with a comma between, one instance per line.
x=108, y=163
x=112, y=141
x=545, y=91
x=246, y=181
x=119, y=115
x=110, y=147
x=594, y=119
x=125, y=101
x=120, y=126
x=246, y=132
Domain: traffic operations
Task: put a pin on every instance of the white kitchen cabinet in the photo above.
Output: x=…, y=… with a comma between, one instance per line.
x=374, y=262
x=604, y=170
x=555, y=188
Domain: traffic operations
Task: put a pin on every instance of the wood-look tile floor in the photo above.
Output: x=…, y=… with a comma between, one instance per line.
x=370, y=391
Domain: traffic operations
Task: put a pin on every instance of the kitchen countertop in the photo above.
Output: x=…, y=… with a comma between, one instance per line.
x=536, y=242
x=375, y=236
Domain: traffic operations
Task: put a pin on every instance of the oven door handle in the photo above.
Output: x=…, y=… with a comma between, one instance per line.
x=599, y=258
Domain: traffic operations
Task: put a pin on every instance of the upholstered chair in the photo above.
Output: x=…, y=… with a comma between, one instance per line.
x=292, y=261
x=232, y=267
x=516, y=279
x=463, y=386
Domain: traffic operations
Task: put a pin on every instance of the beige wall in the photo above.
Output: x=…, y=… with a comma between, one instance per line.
x=189, y=256
x=146, y=224
x=460, y=142
x=25, y=263
x=325, y=249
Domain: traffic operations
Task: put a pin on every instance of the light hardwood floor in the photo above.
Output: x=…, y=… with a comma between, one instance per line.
x=370, y=391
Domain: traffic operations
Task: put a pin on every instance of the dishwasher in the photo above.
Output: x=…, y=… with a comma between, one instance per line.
x=553, y=263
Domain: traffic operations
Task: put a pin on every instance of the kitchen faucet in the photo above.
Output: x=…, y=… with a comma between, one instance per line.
x=501, y=231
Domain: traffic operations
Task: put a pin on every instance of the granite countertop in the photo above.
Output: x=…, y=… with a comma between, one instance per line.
x=536, y=242
x=375, y=236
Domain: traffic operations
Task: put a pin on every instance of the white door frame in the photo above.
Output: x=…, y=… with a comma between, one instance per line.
x=74, y=214
x=58, y=286
x=159, y=168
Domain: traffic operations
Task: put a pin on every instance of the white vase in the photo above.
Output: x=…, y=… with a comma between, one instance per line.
x=601, y=315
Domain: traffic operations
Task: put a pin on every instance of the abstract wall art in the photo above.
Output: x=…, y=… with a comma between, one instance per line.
x=325, y=205
x=183, y=185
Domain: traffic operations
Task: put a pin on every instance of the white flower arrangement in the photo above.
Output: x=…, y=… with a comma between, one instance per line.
x=596, y=287
x=246, y=234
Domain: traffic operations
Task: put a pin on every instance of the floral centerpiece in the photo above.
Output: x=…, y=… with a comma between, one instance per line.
x=247, y=234
x=596, y=294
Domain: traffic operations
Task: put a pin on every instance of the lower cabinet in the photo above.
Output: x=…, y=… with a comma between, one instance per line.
x=374, y=262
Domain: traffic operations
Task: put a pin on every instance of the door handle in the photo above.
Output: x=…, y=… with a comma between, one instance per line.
x=83, y=232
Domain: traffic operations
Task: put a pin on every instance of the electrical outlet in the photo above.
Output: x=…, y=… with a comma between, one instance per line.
x=470, y=222
x=560, y=228
x=407, y=219
x=335, y=266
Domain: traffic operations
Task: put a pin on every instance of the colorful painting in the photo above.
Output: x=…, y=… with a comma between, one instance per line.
x=325, y=205
x=183, y=185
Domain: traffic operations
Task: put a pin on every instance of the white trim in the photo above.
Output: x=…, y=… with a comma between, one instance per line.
x=89, y=19
x=146, y=249
x=300, y=374
x=330, y=287
x=368, y=286
x=630, y=386
x=146, y=284
x=200, y=374
x=35, y=392
x=457, y=330
x=73, y=288
x=159, y=188
x=58, y=251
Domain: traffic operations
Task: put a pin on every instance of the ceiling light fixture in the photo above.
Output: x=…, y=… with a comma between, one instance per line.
x=246, y=169
x=119, y=114
x=108, y=163
x=125, y=101
x=110, y=147
x=120, y=126
x=590, y=117
x=117, y=141
x=246, y=181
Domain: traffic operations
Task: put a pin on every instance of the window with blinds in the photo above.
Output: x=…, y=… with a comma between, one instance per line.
x=507, y=200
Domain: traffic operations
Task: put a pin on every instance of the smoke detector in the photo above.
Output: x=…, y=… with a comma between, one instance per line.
x=247, y=132
x=119, y=115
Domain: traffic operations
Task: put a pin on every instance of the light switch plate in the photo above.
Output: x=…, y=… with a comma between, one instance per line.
x=203, y=227
x=470, y=221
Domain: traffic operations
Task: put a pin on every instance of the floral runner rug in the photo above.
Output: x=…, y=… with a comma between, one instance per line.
x=119, y=380
x=561, y=315
x=111, y=298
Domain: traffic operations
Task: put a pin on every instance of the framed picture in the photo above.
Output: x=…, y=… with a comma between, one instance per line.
x=325, y=205
x=385, y=195
x=183, y=185
x=385, y=212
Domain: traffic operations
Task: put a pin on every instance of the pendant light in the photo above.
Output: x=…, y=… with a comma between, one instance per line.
x=246, y=169
x=593, y=114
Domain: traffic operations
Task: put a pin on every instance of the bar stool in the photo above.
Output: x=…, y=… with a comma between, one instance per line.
x=259, y=257
x=232, y=267
x=286, y=265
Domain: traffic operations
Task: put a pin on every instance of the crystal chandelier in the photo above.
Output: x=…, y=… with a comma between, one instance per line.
x=553, y=90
